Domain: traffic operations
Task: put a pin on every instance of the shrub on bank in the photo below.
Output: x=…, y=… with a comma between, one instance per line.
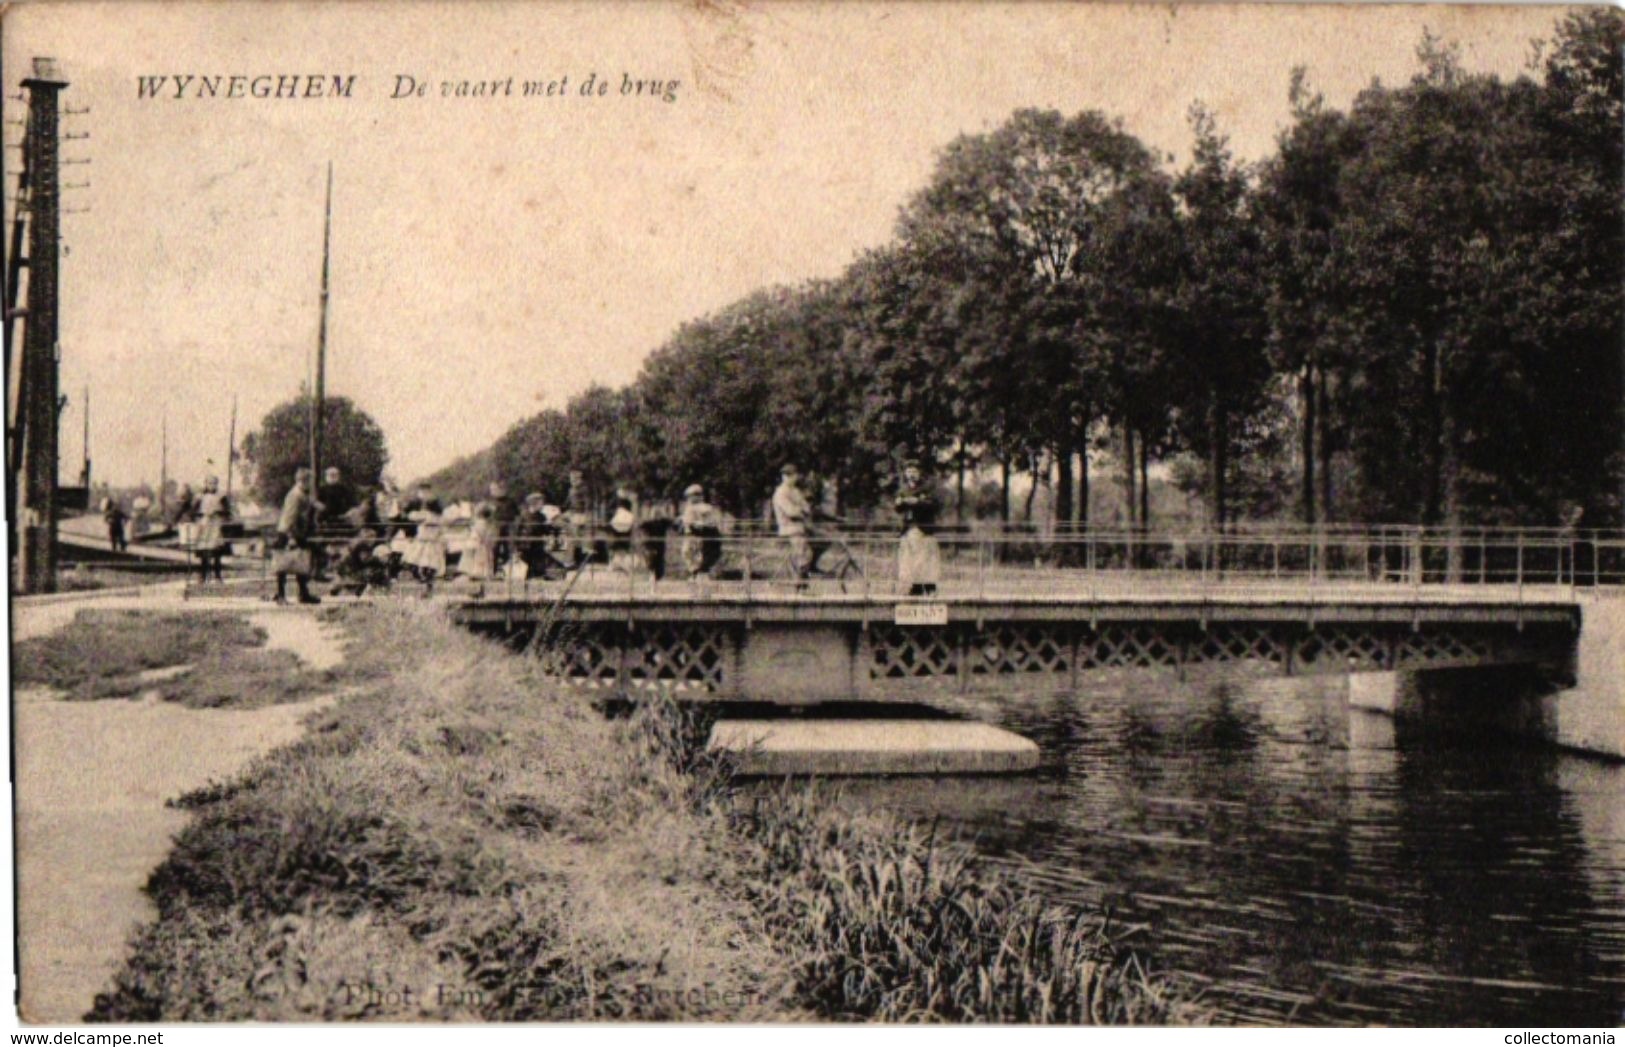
x=220, y=660
x=101, y=652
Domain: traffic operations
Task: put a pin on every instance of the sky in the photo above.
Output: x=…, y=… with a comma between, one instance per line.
x=494, y=255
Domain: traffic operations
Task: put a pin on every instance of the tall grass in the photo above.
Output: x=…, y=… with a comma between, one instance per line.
x=885, y=921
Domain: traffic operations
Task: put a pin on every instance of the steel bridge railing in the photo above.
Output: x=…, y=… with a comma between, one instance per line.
x=752, y=562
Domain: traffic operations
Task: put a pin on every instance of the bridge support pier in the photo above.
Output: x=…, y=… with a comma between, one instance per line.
x=1580, y=706
x=1590, y=716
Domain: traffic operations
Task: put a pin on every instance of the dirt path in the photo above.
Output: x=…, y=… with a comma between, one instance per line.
x=92, y=778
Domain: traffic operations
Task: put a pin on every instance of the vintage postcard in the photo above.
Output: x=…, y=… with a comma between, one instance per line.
x=732, y=511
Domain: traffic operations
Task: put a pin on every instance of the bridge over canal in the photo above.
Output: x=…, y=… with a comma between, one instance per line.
x=1251, y=605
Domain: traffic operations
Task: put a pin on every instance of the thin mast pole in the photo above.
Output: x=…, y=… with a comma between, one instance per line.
x=231, y=444
x=318, y=401
x=87, y=445
x=163, y=468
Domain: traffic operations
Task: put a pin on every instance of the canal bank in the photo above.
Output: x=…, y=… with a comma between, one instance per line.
x=93, y=783
x=459, y=839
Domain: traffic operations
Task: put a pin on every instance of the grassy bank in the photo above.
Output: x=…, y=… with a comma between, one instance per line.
x=201, y=660
x=454, y=839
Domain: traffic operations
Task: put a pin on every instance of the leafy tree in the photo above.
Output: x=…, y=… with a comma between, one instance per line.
x=1023, y=206
x=1222, y=369
x=1299, y=204
x=351, y=440
x=1481, y=245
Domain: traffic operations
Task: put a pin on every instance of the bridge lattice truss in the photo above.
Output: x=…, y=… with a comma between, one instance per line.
x=700, y=657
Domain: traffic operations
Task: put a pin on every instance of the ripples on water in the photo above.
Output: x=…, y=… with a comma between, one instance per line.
x=1304, y=862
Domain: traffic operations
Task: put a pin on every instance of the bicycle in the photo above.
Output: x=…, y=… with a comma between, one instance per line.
x=832, y=559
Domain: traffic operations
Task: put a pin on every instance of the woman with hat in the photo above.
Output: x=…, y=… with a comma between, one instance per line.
x=919, y=559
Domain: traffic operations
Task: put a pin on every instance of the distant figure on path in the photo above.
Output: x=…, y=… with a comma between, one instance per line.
x=140, y=516
x=919, y=559
x=364, y=564
x=113, y=516
x=422, y=501
x=214, y=512
x=427, y=553
x=479, y=558
x=292, y=545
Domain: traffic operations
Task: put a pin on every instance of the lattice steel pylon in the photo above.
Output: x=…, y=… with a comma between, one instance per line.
x=32, y=378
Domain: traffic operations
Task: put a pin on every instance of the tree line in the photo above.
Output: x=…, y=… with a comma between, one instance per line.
x=1410, y=312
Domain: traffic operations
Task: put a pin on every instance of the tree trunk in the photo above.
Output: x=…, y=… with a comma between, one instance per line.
x=1129, y=500
x=1432, y=435
x=1306, y=403
x=1083, y=485
x=1063, y=487
x=959, y=496
x=1450, y=480
x=1145, y=488
x=1034, y=465
x=1323, y=438
x=1004, y=485
x=1218, y=453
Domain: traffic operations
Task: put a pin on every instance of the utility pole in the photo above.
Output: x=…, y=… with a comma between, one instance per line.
x=38, y=407
x=318, y=401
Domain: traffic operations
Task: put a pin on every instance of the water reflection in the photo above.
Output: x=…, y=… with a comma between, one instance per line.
x=1309, y=863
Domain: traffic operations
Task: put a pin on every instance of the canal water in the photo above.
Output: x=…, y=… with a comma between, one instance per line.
x=1306, y=863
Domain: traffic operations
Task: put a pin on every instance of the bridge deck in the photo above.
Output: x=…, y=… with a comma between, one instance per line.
x=1052, y=596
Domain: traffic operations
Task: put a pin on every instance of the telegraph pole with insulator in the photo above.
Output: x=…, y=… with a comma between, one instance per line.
x=37, y=400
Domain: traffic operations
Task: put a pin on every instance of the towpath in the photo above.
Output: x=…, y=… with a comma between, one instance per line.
x=92, y=781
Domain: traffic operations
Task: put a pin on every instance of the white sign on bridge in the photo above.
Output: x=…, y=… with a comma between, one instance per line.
x=922, y=614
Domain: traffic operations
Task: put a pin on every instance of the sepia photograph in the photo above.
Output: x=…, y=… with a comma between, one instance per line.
x=744, y=512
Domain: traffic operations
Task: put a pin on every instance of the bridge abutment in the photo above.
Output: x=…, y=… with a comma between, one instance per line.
x=1590, y=716
x=1578, y=706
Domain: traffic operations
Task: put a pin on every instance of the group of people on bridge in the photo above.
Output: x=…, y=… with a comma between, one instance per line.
x=371, y=542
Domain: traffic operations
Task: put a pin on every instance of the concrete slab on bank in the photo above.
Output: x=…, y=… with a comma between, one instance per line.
x=859, y=747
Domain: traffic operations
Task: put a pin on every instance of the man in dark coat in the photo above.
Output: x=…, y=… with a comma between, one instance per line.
x=293, y=531
x=504, y=513
x=334, y=498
